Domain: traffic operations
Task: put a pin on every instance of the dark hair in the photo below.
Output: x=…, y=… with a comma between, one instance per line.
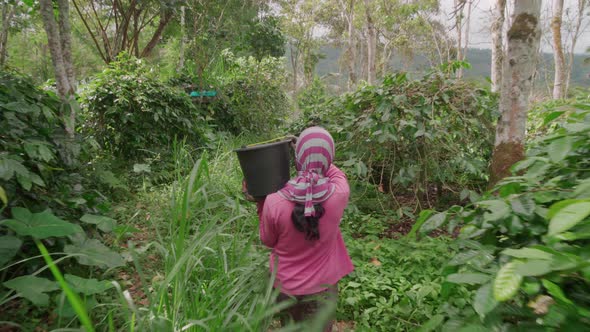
x=307, y=225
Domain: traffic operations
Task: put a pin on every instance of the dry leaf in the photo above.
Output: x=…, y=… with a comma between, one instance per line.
x=541, y=304
x=375, y=261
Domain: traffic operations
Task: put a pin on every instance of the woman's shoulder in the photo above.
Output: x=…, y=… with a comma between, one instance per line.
x=276, y=200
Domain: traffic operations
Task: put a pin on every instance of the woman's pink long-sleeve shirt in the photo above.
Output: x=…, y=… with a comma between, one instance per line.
x=306, y=266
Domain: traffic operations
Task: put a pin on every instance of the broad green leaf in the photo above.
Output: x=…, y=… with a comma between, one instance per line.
x=523, y=206
x=434, y=222
x=20, y=213
x=555, y=291
x=92, y=252
x=565, y=216
x=560, y=148
x=3, y=196
x=524, y=164
x=534, y=267
x=484, y=301
x=564, y=261
x=103, y=223
x=40, y=225
x=25, y=181
x=424, y=215
x=583, y=189
x=527, y=253
x=468, y=278
x=552, y=116
x=32, y=288
x=67, y=311
x=87, y=286
x=8, y=167
x=463, y=257
x=498, y=209
x=9, y=246
x=432, y=324
x=507, y=282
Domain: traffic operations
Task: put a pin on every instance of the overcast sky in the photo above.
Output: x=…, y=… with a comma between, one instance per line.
x=480, y=22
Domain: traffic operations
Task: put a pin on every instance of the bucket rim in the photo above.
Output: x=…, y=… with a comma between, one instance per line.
x=261, y=146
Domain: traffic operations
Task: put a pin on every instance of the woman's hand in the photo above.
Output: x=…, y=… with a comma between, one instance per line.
x=247, y=196
x=293, y=140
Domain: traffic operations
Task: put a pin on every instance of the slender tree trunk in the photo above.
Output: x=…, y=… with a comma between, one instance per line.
x=53, y=41
x=7, y=14
x=577, y=31
x=60, y=49
x=459, y=27
x=559, y=60
x=351, y=47
x=466, y=46
x=497, y=50
x=65, y=37
x=523, y=44
x=294, y=64
x=164, y=20
x=371, y=45
x=182, y=40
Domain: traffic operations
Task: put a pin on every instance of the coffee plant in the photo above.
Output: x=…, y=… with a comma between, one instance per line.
x=131, y=113
x=525, y=242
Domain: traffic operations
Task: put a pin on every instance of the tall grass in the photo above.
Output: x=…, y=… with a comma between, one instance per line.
x=215, y=275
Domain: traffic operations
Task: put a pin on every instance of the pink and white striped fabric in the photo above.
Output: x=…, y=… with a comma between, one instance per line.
x=314, y=154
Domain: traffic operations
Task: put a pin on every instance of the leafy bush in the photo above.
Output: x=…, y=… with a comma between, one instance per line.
x=130, y=112
x=30, y=131
x=392, y=290
x=526, y=242
x=412, y=135
x=252, y=98
x=37, y=186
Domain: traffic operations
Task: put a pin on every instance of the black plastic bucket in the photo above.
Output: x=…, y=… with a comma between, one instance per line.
x=265, y=167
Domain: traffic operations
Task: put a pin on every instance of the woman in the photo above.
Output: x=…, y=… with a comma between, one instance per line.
x=300, y=223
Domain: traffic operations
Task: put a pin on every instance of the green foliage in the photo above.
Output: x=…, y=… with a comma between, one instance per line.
x=529, y=235
x=266, y=38
x=312, y=100
x=32, y=288
x=412, y=134
x=130, y=112
x=31, y=133
x=397, y=284
x=252, y=97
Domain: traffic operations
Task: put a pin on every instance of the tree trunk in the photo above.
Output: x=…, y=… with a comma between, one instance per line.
x=523, y=45
x=164, y=20
x=497, y=50
x=66, y=42
x=54, y=43
x=351, y=47
x=294, y=64
x=182, y=40
x=576, y=34
x=59, y=56
x=559, y=60
x=7, y=14
x=459, y=27
x=466, y=46
x=371, y=45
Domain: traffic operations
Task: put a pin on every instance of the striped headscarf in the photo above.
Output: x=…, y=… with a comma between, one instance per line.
x=314, y=153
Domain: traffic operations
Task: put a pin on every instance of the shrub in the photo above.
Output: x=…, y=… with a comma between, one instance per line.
x=130, y=112
x=252, y=98
x=526, y=242
x=412, y=135
x=33, y=142
x=40, y=187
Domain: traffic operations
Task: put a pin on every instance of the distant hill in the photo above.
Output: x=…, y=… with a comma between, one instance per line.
x=480, y=60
